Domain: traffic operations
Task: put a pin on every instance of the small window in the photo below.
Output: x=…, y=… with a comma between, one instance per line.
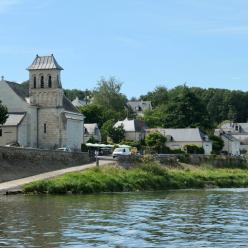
x=45, y=128
x=34, y=81
x=1, y=132
x=49, y=81
x=42, y=81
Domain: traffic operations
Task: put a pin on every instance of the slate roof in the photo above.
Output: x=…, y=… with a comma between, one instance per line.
x=90, y=127
x=19, y=89
x=229, y=137
x=68, y=106
x=14, y=119
x=23, y=92
x=180, y=134
x=78, y=103
x=44, y=63
x=231, y=127
x=132, y=125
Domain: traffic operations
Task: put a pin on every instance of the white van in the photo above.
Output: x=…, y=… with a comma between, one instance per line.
x=121, y=151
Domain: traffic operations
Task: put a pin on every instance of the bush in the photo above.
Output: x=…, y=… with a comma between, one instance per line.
x=193, y=149
x=156, y=142
x=84, y=148
x=218, y=144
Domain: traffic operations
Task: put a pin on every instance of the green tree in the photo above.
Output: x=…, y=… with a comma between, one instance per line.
x=25, y=84
x=93, y=113
x=185, y=109
x=117, y=134
x=155, y=117
x=158, y=97
x=105, y=129
x=81, y=94
x=107, y=95
x=156, y=141
x=3, y=113
x=217, y=145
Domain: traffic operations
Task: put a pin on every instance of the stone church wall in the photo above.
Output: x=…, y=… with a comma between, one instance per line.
x=51, y=137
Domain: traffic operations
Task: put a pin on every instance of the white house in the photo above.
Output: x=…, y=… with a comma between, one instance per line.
x=139, y=107
x=91, y=130
x=239, y=131
x=177, y=138
x=134, y=129
x=40, y=115
x=231, y=144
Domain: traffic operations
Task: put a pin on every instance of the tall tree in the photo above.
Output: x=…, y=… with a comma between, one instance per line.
x=158, y=97
x=185, y=109
x=107, y=94
x=93, y=114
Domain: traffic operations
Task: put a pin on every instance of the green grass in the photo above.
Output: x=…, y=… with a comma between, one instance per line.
x=143, y=177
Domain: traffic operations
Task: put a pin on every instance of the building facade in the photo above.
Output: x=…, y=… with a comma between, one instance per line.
x=91, y=130
x=238, y=131
x=134, y=129
x=139, y=107
x=42, y=117
x=178, y=138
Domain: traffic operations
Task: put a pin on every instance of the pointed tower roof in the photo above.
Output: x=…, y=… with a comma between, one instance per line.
x=44, y=63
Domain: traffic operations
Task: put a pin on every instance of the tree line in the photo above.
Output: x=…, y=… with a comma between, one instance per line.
x=179, y=107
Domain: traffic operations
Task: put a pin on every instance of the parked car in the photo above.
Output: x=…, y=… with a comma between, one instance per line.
x=13, y=144
x=64, y=149
x=121, y=151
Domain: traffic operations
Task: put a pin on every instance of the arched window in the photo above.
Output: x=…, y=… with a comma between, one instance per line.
x=42, y=81
x=49, y=81
x=34, y=81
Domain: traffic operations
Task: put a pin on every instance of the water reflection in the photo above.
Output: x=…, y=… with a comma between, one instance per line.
x=172, y=219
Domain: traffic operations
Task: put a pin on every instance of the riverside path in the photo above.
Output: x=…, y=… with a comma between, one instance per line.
x=15, y=186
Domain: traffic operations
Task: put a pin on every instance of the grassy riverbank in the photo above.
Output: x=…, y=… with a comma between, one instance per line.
x=145, y=177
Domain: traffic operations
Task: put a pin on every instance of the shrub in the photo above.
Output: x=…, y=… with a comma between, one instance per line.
x=156, y=141
x=193, y=149
x=218, y=144
x=84, y=148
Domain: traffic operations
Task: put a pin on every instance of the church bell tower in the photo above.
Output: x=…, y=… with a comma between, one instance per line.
x=45, y=87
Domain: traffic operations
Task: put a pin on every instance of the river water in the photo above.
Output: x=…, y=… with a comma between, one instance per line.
x=190, y=218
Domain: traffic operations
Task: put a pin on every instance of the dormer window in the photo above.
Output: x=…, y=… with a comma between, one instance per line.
x=49, y=81
x=42, y=81
x=34, y=81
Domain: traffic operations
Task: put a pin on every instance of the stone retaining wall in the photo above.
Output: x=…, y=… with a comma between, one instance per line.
x=195, y=159
x=17, y=163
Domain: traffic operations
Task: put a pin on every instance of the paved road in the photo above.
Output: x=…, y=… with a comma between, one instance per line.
x=16, y=185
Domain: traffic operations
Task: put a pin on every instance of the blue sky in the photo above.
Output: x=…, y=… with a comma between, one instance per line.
x=143, y=43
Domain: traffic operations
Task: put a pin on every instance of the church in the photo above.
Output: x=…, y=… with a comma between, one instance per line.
x=40, y=115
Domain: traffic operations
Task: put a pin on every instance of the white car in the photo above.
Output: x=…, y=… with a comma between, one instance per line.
x=121, y=151
x=64, y=149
